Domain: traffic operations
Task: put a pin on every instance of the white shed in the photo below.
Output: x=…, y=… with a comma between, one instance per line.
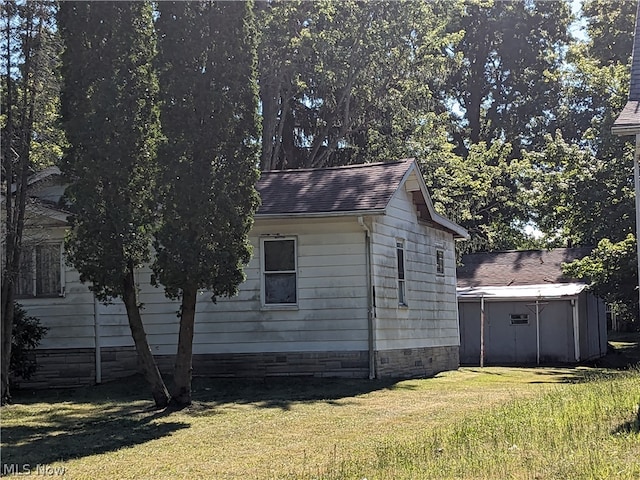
x=353, y=274
x=516, y=308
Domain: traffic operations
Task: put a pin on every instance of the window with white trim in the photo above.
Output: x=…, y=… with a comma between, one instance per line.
x=402, y=292
x=41, y=271
x=440, y=262
x=279, y=271
x=519, y=319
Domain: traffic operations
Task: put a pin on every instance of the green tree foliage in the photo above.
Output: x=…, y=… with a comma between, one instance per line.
x=507, y=87
x=208, y=165
x=577, y=197
x=348, y=82
x=612, y=270
x=112, y=123
x=584, y=174
x=26, y=336
x=30, y=137
x=482, y=193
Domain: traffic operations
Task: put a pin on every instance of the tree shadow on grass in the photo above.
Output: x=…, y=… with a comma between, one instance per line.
x=70, y=431
x=283, y=392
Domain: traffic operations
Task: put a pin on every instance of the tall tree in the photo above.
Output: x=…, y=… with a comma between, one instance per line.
x=346, y=81
x=584, y=175
x=112, y=122
x=208, y=166
x=30, y=137
x=507, y=87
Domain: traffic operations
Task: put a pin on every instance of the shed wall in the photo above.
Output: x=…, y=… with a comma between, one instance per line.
x=516, y=344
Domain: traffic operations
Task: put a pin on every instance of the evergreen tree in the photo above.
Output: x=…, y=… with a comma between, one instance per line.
x=31, y=136
x=112, y=122
x=208, y=166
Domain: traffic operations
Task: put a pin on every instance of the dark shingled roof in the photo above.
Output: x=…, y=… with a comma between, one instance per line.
x=526, y=267
x=630, y=116
x=355, y=188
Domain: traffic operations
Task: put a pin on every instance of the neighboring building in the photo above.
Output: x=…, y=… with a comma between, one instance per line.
x=353, y=274
x=532, y=313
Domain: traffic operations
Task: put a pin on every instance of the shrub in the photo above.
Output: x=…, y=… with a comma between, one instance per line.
x=26, y=335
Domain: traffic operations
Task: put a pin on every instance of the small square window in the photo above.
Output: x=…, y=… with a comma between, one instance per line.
x=519, y=319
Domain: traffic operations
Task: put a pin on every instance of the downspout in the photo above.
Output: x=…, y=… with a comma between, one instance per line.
x=370, y=300
x=482, y=318
x=576, y=329
x=98, y=346
x=537, y=331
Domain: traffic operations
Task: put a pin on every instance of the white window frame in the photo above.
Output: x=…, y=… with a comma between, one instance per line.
x=401, y=273
x=264, y=273
x=32, y=250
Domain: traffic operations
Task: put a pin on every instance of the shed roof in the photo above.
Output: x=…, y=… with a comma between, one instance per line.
x=517, y=268
x=523, y=292
x=628, y=122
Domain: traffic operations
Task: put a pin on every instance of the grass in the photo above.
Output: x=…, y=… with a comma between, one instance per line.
x=538, y=423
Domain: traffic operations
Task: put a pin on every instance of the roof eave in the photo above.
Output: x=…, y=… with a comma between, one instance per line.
x=458, y=232
x=350, y=213
x=624, y=130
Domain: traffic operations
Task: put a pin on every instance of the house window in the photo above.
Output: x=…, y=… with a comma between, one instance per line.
x=440, y=262
x=402, y=299
x=40, y=271
x=279, y=271
x=519, y=319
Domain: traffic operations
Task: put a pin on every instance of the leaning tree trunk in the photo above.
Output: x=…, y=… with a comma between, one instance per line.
x=181, y=392
x=147, y=362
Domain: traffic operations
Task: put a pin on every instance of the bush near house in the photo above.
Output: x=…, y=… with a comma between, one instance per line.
x=26, y=336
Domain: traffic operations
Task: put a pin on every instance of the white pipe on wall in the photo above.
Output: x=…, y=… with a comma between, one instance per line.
x=98, y=346
x=482, y=331
x=576, y=328
x=370, y=300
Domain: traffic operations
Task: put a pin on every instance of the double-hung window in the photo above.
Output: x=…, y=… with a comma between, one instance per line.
x=402, y=292
x=279, y=271
x=40, y=272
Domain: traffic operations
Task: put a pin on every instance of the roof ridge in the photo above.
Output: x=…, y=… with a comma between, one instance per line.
x=340, y=167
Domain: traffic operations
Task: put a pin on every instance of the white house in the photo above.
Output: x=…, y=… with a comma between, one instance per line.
x=353, y=274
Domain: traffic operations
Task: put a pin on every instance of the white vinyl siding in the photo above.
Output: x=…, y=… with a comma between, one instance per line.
x=432, y=319
x=331, y=310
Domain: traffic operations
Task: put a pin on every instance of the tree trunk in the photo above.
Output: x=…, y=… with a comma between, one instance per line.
x=7, y=327
x=149, y=367
x=181, y=392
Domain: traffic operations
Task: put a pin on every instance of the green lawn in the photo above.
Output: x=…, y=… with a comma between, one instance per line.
x=505, y=422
